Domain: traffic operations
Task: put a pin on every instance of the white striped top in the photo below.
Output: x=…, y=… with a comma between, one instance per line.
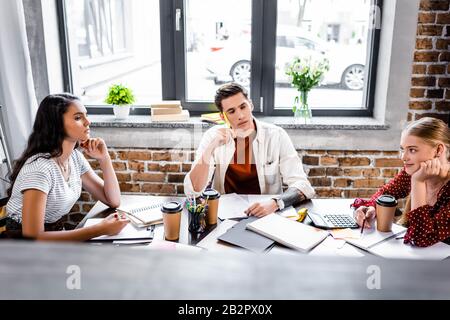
x=45, y=175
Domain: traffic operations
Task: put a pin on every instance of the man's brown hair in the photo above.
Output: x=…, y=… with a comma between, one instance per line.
x=226, y=91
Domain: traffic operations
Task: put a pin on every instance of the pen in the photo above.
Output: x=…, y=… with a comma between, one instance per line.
x=364, y=221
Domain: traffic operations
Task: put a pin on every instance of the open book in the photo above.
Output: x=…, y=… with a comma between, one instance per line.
x=288, y=232
x=372, y=237
x=143, y=214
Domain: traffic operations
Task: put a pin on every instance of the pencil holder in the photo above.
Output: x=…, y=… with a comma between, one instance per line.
x=197, y=222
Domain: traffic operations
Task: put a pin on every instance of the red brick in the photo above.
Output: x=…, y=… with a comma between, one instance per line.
x=391, y=153
x=134, y=155
x=95, y=165
x=176, y=177
x=180, y=190
x=434, y=5
x=334, y=172
x=443, y=105
x=129, y=187
x=119, y=166
x=87, y=207
x=444, y=82
x=159, y=188
x=335, y=152
x=150, y=177
x=423, y=81
x=388, y=162
x=318, y=152
x=426, y=56
x=443, y=117
x=436, y=69
x=368, y=183
x=390, y=173
x=313, y=161
x=435, y=93
x=444, y=56
x=152, y=166
x=328, y=193
x=351, y=162
x=328, y=161
x=420, y=105
x=352, y=172
x=169, y=167
x=429, y=30
x=112, y=154
x=416, y=93
x=410, y=117
x=427, y=17
x=443, y=18
x=186, y=167
x=314, y=172
x=361, y=193
x=371, y=172
x=75, y=208
x=85, y=196
x=123, y=177
x=342, y=183
x=442, y=44
x=447, y=94
x=419, y=69
x=136, y=165
x=320, y=182
x=424, y=44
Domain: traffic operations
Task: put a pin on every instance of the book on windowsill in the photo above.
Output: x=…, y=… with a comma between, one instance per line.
x=290, y=233
x=159, y=111
x=212, y=118
x=165, y=104
x=183, y=116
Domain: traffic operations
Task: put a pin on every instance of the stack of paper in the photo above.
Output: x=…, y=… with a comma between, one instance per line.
x=167, y=111
x=371, y=237
x=212, y=118
x=143, y=214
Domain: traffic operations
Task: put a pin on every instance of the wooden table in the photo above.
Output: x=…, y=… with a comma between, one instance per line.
x=100, y=210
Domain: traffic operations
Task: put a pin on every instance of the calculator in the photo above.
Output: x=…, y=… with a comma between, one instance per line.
x=332, y=221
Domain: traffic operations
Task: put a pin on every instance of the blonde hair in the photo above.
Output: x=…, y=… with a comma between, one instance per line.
x=433, y=132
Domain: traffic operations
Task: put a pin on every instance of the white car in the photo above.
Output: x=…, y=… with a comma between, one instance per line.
x=231, y=61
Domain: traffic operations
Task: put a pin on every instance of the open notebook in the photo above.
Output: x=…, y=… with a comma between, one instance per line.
x=288, y=232
x=143, y=214
x=130, y=232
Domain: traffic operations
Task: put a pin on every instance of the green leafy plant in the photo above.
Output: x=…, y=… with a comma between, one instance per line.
x=119, y=95
x=304, y=74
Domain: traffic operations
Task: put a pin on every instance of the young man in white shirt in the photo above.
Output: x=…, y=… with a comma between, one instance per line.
x=248, y=156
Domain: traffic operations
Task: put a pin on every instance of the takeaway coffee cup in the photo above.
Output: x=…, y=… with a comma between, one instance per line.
x=386, y=206
x=171, y=218
x=212, y=196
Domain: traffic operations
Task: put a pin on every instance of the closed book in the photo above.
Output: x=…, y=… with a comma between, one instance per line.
x=288, y=232
x=159, y=111
x=183, y=116
x=166, y=104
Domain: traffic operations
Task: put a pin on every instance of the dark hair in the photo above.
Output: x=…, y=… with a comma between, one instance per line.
x=48, y=131
x=226, y=91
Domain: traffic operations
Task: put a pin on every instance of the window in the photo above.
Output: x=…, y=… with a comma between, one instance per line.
x=112, y=41
x=206, y=43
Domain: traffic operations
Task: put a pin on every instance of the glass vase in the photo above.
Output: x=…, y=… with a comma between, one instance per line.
x=302, y=112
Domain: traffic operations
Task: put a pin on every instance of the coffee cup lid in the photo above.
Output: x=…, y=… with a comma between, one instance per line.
x=386, y=201
x=171, y=207
x=211, y=194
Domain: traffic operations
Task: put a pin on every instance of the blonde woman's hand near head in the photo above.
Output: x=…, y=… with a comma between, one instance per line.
x=430, y=169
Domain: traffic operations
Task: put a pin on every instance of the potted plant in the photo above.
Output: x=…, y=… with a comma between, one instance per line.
x=304, y=75
x=120, y=97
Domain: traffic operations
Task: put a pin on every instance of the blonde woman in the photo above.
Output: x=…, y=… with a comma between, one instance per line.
x=425, y=146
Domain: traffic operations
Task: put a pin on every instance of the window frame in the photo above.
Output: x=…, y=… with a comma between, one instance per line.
x=262, y=91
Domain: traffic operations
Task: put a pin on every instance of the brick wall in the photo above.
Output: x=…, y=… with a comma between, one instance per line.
x=337, y=173
x=430, y=83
